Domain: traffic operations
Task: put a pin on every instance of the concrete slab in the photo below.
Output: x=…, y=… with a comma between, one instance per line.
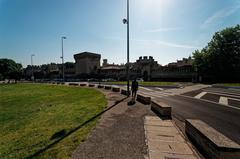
x=158, y=128
x=170, y=147
x=156, y=122
x=164, y=137
x=161, y=155
x=165, y=141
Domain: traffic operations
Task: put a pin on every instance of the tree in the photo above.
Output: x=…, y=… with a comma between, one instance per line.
x=220, y=59
x=9, y=69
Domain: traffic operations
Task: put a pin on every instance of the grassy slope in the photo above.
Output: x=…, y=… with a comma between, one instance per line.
x=30, y=114
x=147, y=83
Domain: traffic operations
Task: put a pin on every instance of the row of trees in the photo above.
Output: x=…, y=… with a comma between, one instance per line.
x=9, y=69
x=219, y=61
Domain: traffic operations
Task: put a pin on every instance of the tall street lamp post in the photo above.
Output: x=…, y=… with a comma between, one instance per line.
x=32, y=66
x=62, y=57
x=126, y=21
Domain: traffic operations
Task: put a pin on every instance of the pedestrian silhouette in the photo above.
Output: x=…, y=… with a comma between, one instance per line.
x=134, y=89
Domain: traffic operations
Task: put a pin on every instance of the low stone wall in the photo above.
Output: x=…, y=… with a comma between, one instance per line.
x=125, y=92
x=100, y=86
x=91, y=85
x=143, y=99
x=73, y=84
x=108, y=87
x=210, y=142
x=115, y=89
x=161, y=108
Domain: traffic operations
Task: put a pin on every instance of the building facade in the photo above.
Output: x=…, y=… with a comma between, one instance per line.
x=87, y=63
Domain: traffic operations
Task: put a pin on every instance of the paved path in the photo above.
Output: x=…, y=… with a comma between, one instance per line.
x=164, y=140
x=119, y=134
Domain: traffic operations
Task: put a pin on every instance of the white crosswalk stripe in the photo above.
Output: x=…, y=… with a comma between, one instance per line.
x=146, y=88
x=200, y=95
x=160, y=89
x=223, y=100
x=153, y=93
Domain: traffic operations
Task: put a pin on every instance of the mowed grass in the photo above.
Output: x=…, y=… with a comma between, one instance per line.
x=232, y=84
x=30, y=115
x=147, y=83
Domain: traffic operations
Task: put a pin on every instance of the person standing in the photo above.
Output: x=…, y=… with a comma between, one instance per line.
x=134, y=89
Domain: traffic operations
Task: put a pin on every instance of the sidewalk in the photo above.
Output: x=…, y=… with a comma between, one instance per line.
x=164, y=140
x=120, y=133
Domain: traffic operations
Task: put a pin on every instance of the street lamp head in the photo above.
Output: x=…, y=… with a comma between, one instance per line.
x=33, y=55
x=125, y=21
x=64, y=37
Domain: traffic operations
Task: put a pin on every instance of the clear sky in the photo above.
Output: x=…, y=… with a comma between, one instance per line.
x=165, y=29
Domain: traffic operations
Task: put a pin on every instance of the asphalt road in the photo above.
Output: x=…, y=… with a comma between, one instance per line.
x=224, y=119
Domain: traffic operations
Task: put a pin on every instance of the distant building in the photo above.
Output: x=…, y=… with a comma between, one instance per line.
x=143, y=67
x=87, y=63
x=112, y=70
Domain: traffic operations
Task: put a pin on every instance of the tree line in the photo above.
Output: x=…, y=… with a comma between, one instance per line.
x=219, y=61
x=9, y=69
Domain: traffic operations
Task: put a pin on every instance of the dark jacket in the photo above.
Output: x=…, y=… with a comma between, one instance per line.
x=135, y=85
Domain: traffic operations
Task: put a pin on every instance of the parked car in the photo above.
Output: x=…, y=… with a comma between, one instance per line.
x=139, y=80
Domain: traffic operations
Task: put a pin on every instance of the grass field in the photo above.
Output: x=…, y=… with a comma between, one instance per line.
x=231, y=84
x=32, y=116
x=147, y=83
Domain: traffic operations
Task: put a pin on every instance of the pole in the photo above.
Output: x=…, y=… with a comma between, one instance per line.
x=62, y=62
x=128, y=47
x=63, y=75
x=32, y=66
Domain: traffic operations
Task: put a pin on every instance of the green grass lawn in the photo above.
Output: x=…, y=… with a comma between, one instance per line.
x=231, y=84
x=30, y=115
x=147, y=83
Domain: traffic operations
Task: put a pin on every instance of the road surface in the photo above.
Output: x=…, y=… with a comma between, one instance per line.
x=220, y=108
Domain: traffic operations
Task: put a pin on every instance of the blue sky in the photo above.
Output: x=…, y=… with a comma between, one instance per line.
x=165, y=29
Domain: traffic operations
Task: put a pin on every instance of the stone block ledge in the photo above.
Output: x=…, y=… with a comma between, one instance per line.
x=100, y=86
x=108, y=87
x=91, y=85
x=143, y=99
x=125, y=92
x=115, y=89
x=73, y=84
x=161, y=108
x=213, y=144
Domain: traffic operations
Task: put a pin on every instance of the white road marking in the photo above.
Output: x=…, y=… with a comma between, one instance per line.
x=210, y=102
x=234, y=99
x=200, y=95
x=156, y=94
x=223, y=100
x=160, y=89
x=223, y=94
x=146, y=88
x=153, y=95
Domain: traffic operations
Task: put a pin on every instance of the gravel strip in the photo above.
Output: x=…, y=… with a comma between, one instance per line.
x=118, y=135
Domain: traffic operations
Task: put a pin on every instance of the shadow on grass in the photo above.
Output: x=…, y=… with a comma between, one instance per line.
x=59, y=134
x=62, y=135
